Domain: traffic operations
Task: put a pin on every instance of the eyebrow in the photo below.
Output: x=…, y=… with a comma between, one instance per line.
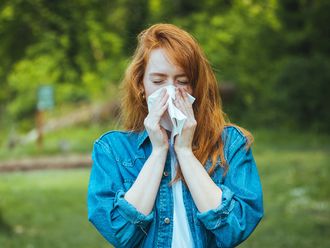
x=164, y=75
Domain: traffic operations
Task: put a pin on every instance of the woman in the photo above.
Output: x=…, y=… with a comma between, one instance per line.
x=215, y=196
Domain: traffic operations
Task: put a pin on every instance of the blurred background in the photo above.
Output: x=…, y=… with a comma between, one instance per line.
x=61, y=63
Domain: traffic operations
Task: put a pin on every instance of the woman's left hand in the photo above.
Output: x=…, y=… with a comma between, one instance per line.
x=184, y=141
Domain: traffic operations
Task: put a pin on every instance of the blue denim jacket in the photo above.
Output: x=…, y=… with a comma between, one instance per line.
x=118, y=157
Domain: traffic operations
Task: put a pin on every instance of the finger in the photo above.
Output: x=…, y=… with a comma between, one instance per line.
x=179, y=104
x=177, y=98
x=159, y=112
x=183, y=94
x=182, y=100
x=163, y=109
x=183, y=103
x=162, y=101
x=159, y=108
x=186, y=102
x=163, y=106
x=161, y=95
x=162, y=92
x=164, y=98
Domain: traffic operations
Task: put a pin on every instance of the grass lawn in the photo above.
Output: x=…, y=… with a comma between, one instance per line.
x=48, y=208
x=295, y=171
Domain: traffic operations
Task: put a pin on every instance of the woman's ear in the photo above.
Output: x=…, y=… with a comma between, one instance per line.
x=142, y=92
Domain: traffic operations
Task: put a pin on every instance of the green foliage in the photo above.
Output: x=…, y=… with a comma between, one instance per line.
x=304, y=80
x=73, y=46
x=83, y=46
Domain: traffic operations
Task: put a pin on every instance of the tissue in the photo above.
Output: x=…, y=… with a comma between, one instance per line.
x=173, y=119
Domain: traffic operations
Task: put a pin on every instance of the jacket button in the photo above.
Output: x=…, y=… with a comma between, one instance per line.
x=165, y=173
x=167, y=220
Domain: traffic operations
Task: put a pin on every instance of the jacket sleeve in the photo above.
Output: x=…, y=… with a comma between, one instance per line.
x=241, y=208
x=116, y=219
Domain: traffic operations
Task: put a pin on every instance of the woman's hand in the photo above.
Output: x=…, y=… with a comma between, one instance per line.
x=157, y=134
x=184, y=141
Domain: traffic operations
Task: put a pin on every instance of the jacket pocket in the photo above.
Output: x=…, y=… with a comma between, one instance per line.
x=133, y=162
x=130, y=169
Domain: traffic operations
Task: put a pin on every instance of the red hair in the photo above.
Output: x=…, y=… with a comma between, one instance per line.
x=211, y=120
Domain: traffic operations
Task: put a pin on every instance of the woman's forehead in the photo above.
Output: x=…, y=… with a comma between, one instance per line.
x=159, y=63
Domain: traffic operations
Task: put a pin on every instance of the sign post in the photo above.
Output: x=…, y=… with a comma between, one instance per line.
x=45, y=102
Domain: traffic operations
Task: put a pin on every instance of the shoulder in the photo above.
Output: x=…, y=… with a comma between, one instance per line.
x=117, y=139
x=120, y=146
x=116, y=136
x=234, y=138
x=233, y=134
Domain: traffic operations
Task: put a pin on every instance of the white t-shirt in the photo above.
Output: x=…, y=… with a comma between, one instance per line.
x=182, y=237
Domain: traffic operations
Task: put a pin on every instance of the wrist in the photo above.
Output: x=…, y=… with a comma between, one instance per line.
x=184, y=151
x=160, y=151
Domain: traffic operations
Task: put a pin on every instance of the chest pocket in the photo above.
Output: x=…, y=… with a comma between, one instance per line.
x=137, y=161
x=130, y=169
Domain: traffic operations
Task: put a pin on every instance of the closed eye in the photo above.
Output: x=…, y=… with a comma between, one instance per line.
x=158, y=82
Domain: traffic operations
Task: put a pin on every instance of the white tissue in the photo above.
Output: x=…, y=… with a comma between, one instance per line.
x=173, y=119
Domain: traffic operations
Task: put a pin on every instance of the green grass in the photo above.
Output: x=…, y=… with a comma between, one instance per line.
x=295, y=171
x=48, y=208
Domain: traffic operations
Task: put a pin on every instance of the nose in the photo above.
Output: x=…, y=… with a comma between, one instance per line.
x=170, y=82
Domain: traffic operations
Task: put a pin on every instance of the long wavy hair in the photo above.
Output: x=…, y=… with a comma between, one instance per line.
x=183, y=50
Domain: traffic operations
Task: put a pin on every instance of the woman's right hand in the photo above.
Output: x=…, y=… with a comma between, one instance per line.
x=157, y=134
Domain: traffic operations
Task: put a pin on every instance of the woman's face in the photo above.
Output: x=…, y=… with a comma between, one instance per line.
x=161, y=72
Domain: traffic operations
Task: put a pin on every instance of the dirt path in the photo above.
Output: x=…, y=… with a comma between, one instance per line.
x=64, y=161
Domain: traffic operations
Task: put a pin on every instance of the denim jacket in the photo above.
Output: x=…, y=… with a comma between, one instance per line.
x=118, y=157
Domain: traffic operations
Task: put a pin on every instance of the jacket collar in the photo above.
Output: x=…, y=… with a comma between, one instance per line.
x=143, y=135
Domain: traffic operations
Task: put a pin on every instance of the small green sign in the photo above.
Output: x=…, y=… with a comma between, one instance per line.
x=45, y=97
